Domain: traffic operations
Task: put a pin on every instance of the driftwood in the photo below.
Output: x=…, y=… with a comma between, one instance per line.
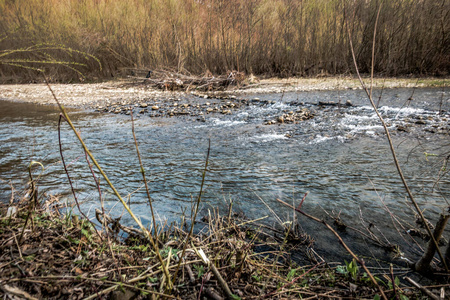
x=114, y=226
x=173, y=81
x=423, y=289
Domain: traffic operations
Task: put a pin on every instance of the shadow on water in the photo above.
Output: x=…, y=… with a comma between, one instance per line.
x=340, y=156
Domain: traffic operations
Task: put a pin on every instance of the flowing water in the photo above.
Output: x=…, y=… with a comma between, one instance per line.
x=340, y=156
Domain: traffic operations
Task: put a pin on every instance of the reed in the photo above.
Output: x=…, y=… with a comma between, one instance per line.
x=281, y=37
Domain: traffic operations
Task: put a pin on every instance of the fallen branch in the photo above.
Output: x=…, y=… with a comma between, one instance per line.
x=422, y=288
x=360, y=261
x=423, y=265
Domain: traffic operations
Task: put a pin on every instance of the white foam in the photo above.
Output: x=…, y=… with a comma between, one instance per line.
x=269, y=137
x=390, y=109
x=403, y=111
x=358, y=127
x=226, y=123
x=321, y=139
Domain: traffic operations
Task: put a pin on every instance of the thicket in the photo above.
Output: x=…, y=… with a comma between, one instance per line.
x=263, y=37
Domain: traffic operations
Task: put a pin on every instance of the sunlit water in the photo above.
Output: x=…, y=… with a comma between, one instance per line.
x=340, y=156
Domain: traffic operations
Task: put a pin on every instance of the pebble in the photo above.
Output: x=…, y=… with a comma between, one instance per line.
x=143, y=105
x=154, y=107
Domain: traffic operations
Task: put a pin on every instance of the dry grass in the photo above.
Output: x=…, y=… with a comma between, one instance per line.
x=61, y=257
x=283, y=37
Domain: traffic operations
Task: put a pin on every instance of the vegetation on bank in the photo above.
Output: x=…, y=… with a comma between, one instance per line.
x=49, y=252
x=261, y=37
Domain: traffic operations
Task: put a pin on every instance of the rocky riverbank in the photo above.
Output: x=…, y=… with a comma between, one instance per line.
x=143, y=99
x=126, y=92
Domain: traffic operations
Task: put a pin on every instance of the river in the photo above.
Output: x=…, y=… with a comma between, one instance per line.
x=340, y=156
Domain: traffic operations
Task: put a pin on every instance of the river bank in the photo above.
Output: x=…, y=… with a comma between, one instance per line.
x=46, y=253
x=95, y=95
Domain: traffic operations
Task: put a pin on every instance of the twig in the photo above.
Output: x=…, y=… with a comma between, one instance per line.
x=143, y=175
x=195, y=212
x=423, y=265
x=16, y=292
x=216, y=273
x=360, y=261
x=394, y=287
x=94, y=161
x=61, y=117
x=391, y=145
x=292, y=282
x=422, y=288
x=190, y=273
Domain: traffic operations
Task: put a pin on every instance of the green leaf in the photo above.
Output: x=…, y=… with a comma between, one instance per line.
x=153, y=279
x=291, y=274
x=377, y=297
x=341, y=270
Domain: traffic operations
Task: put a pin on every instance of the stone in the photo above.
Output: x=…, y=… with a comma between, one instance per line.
x=143, y=105
x=154, y=107
x=270, y=122
x=123, y=294
x=327, y=103
x=348, y=103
